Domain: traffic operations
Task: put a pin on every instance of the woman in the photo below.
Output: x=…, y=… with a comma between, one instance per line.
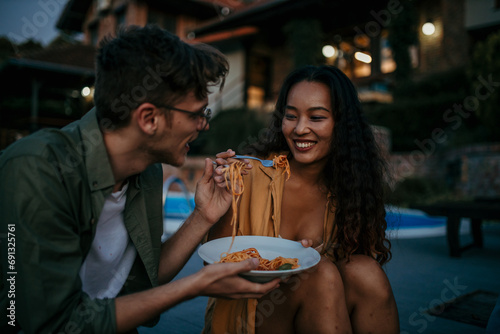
x=333, y=201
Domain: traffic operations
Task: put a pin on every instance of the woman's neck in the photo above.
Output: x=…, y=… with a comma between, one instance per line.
x=311, y=174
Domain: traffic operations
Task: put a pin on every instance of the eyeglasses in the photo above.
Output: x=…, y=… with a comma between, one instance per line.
x=205, y=114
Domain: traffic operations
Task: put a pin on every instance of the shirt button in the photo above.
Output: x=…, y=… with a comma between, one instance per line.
x=92, y=221
x=94, y=183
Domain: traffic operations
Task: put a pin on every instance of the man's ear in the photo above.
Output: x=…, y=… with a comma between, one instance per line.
x=147, y=116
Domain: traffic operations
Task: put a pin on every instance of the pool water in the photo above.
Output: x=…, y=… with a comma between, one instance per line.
x=409, y=223
x=176, y=208
x=401, y=223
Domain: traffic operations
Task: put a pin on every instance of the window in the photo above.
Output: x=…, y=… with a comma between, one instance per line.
x=387, y=63
x=362, y=56
x=258, y=80
x=354, y=57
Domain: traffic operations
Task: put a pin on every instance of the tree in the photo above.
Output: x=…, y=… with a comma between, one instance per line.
x=7, y=49
x=484, y=73
x=29, y=47
x=305, y=38
x=402, y=35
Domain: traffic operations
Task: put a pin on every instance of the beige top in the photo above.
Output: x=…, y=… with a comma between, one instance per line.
x=259, y=213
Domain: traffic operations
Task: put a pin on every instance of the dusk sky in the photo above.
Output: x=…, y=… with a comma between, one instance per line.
x=21, y=20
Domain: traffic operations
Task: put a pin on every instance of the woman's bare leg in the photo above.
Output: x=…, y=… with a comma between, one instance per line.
x=370, y=301
x=313, y=302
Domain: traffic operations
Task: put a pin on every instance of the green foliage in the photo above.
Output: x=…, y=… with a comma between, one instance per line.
x=485, y=67
x=453, y=81
x=422, y=107
x=7, y=49
x=231, y=128
x=60, y=42
x=305, y=39
x=29, y=47
x=402, y=34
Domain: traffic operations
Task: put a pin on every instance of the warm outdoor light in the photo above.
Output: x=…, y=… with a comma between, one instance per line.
x=85, y=91
x=364, y=57
x=329, y=51
x=428, y=28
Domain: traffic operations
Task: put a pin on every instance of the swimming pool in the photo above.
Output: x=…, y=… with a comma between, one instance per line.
x=401, y=223
x=176, y=208
x=410, y=223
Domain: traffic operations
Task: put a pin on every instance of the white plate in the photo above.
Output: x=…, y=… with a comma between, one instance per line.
x=268, y=248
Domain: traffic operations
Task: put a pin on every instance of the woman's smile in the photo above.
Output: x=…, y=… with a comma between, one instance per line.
x=303, y=145
x=308, y=122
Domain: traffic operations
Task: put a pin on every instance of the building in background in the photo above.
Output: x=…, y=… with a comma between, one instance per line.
x=264, y=40
x=256, y=36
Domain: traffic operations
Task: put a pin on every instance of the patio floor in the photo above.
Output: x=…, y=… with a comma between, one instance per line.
x=422, y=276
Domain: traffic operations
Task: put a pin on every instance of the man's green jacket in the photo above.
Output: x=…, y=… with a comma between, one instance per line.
x=52, y=189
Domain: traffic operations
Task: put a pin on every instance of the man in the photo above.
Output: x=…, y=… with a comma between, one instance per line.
x=80, y=208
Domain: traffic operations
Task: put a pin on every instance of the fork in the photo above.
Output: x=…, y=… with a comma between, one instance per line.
x=265, y=163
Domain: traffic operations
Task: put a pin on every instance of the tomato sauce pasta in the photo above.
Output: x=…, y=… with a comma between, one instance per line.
x=281, y=161
x=234, y=182
x=279, y=263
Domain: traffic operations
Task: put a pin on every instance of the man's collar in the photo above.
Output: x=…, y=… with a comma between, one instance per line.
x=93, y=149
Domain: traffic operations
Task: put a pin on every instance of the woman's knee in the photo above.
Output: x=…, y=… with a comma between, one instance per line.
x=369, y=296
x=322, y=278
x=364, y=276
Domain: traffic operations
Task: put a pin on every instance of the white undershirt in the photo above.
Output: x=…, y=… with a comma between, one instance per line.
x=112, y=253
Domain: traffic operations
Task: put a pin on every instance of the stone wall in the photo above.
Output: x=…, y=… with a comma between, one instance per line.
x=470, y=171
x=475, y=170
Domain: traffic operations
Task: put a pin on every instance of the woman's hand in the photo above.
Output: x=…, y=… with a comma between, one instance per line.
x=309, y=243
x=306, y=242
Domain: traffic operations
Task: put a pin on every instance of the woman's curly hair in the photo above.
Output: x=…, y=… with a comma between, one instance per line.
x=355, y=171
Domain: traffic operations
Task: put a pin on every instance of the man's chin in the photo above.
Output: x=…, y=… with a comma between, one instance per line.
x=177, y=162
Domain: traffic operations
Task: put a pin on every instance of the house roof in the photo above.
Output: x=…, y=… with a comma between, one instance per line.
x=240, y=17
x=59, y=66
x=232, y=4
x=73, y=15
x=226, y=35
x=275, y=13
x=75, y=55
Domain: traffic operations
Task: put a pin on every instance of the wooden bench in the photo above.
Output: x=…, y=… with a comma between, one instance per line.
x=478, y=210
